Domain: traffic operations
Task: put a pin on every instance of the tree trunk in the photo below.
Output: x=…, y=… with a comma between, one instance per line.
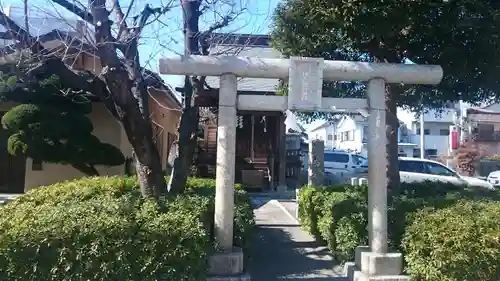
x=190, y=114
x=392, y=125
x=130, y=94
x=88, y=170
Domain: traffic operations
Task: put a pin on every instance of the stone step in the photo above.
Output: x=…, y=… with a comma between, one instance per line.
x=226, y=263
x=240, y=277
x=359, y=276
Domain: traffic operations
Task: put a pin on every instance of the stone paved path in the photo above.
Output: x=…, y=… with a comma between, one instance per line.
x=282, y=251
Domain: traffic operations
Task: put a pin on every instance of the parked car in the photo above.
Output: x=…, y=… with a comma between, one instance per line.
x=419, y=170
x=342, y=163
x=494, y=178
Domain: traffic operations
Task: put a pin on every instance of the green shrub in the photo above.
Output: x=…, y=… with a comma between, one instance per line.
x=327, y=219
x=457, y=243
x=350, y=232
x=311, y=202
x=102, y=229
x=338, y=214
x=244, y=222
x=307, y=215
x=103, y=238
x=202, y=185
x=80, y=190
x=243, y=214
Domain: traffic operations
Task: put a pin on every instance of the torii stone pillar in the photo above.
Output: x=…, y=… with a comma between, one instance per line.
x=305, y=88
x=226, y=152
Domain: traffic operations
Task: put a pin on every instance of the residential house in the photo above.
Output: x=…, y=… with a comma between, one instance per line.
x=484, y=124
x=327, y=132
x=436, y=133
x=18, y=174
x=350, y=133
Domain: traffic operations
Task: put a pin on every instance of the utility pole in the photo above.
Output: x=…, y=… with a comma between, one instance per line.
x=422, y=135
x=461, y=116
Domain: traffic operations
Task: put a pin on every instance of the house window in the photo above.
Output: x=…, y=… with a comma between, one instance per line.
x=345, y=136
x=330, y=137
x=36, y=165
x=426, y=132
x=430, y=152
x=427, y=153
x=486, y=128
x=335, y=137
x=416, y=153
x=350, y=135
x=444, y=132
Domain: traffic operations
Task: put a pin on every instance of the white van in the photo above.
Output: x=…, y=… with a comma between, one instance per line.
x=343, y=163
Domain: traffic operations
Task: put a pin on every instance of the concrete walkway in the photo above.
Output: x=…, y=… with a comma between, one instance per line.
x=282, y=251
x=5, y=197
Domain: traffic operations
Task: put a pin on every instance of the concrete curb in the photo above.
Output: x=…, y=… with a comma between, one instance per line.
x=291, y=216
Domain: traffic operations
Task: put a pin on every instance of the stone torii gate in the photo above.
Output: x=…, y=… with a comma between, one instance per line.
x=305, y=76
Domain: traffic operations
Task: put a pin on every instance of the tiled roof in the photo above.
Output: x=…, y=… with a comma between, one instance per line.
x=245, y=45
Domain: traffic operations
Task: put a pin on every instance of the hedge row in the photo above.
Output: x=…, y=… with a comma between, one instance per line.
x=433, y=224
x=101, y=228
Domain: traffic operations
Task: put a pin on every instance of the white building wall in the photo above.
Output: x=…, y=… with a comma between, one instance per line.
x=326, y=134
x=438, y=137
x=330, y=139
x=319, y=134
x=354, y=139
x=436, y=123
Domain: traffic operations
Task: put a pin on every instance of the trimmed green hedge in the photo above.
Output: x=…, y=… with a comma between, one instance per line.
x=337, y=215
x=457, y=243
x=102, y=229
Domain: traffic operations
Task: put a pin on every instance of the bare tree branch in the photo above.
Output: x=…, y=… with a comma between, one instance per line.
x=89, y=18
x=52, y=64
x=26, y=24
x=121, y=17
x=24, y=38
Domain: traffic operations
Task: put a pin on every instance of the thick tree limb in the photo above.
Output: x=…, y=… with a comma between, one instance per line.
x=80, y=12
x=6, y=36
x=120, y=17
x=88, y=170
x=203, y=38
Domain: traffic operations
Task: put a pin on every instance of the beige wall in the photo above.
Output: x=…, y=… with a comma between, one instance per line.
x=166, y=115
